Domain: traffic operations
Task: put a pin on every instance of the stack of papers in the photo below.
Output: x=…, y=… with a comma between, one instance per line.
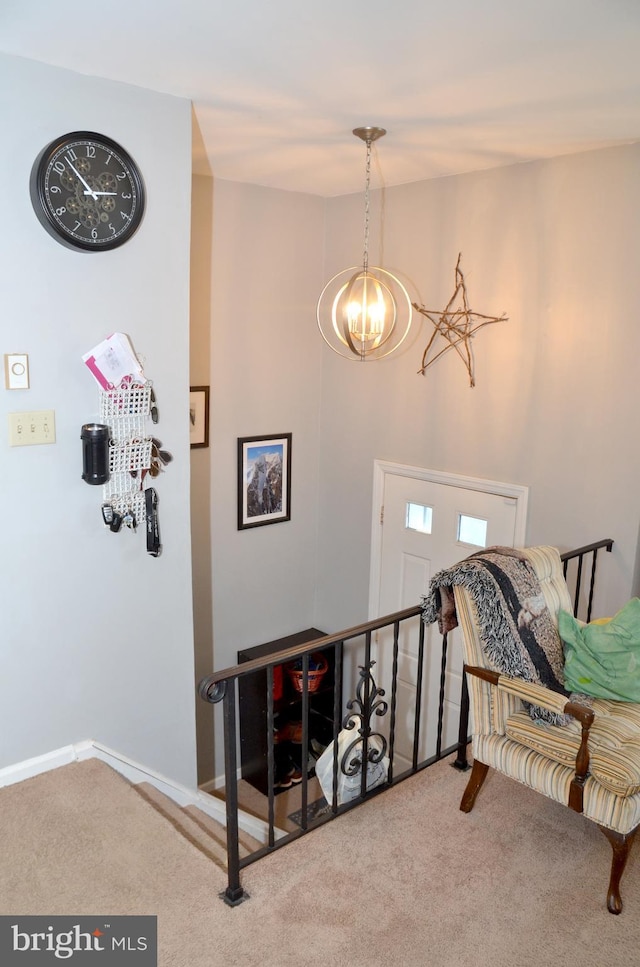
x=113, y=361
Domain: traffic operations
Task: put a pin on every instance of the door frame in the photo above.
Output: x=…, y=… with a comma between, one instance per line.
x=383, y=467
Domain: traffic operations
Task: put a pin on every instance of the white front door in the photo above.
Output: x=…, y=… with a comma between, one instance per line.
x=425, y=521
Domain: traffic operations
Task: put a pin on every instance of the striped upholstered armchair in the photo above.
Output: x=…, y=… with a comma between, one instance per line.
x=585, y=755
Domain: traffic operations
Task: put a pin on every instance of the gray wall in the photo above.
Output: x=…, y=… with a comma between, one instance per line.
x=265, y=371
x=96, y=635
x=251, y=333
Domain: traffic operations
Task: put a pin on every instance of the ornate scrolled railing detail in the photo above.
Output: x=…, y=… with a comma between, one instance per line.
x=212, y=692
x=368, y=702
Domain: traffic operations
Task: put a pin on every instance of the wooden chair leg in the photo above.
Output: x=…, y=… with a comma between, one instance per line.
x=477, y=777
x=621, y=844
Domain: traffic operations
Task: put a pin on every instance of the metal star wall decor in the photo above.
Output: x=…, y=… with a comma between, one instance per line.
x=457, y=326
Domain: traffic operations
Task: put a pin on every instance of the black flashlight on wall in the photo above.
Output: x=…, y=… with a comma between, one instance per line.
x=95, y=453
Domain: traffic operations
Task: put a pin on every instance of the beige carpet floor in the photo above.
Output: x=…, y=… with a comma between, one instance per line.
x=406, y=880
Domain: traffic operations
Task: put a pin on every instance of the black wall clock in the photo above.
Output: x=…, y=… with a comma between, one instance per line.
x=87, y=191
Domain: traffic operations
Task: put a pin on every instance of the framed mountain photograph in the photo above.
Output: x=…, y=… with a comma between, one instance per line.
x=264, y=480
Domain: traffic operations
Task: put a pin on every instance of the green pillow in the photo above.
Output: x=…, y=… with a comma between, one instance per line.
x=603, y=658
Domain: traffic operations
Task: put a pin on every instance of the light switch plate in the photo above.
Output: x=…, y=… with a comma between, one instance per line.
x=16, y=371
x=28, y=429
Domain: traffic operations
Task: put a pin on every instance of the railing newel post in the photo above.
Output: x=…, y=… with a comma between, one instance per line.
x=224, y=690
x=234, y=894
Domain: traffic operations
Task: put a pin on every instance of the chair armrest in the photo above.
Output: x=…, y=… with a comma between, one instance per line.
x=534, y=694
x=553, y=702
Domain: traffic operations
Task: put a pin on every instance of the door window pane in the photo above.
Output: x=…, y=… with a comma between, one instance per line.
x=418, y=517
x=472, y=530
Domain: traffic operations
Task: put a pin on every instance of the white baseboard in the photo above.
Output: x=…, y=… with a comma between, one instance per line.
x=218, y=782
x=212, y=785
x=29, y=768
x=135, y=773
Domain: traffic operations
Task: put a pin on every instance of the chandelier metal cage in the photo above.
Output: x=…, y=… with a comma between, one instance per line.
x=364, y=313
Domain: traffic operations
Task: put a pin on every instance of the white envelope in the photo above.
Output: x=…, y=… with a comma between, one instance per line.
x=113, y=360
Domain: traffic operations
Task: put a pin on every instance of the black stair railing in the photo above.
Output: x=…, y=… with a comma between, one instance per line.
x=579, y=556
x=371, y=744
x=222, y=687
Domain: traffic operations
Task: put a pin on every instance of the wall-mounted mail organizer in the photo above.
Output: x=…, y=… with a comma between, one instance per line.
x=126, y=412
x=118, y=452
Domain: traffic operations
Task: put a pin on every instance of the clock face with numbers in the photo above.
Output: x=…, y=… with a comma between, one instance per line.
x=87, y=192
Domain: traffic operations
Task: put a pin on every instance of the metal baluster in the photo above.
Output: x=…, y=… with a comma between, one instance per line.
x=461, y=761
x=592, y=584
x=270, y=756
x=304, y=754
x=337, y=692
x=416, y=729
x=365, y=725
x=394, y=697
x=576, y=601
x=443, y=671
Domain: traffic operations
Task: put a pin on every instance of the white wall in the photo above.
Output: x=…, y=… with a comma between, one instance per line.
x=554, y=245
x=96, y=635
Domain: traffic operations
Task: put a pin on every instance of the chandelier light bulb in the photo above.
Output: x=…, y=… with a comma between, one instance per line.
x=364, y=313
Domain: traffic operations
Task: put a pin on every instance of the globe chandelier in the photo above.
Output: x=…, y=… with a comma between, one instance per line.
x=364, y=313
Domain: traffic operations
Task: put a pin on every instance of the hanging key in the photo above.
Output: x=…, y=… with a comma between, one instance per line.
x=116, y=522
x=129, y=520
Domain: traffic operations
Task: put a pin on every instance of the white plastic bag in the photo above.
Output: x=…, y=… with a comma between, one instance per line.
x=349, y=786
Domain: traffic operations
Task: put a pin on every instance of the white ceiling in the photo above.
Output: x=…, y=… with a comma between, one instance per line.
x=278, y=85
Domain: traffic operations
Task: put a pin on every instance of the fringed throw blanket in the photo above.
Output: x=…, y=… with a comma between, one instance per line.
x=516, y=629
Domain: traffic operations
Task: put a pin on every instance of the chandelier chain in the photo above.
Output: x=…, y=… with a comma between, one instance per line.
x=365, y=258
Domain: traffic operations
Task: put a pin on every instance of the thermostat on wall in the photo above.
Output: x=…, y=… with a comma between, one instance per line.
x=16, y=371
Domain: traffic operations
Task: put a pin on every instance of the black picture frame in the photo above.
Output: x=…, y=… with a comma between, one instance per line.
x=264, y=480
x=199, y=416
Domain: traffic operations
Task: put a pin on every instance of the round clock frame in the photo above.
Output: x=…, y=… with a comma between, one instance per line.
x=87, y=192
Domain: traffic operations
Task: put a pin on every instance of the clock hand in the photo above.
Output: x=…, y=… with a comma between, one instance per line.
x=89, y=191
x=96, y=193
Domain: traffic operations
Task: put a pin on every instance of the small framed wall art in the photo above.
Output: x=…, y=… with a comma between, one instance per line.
x=264, y=480
x=199, y=416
